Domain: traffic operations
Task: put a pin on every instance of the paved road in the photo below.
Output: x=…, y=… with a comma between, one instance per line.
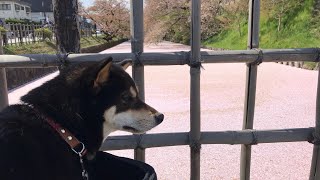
x=285, y=99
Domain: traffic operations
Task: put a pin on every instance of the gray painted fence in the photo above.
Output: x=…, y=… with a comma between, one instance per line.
x=253, y=57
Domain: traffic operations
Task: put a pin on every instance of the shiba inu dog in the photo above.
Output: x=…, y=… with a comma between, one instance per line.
x=81, y=106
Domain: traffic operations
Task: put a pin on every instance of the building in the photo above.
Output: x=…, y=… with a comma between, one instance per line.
x=15, y=9
x=41, y=10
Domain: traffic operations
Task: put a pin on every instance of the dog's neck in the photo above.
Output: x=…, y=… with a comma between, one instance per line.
x=64, y=108
x=56, y=99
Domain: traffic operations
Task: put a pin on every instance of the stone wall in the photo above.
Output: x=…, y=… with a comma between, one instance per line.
x=18, y=76
x=300, y=65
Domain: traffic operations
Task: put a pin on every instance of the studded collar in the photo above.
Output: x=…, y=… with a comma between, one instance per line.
x=76, y=145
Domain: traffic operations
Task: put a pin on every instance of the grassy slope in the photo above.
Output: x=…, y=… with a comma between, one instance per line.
x=48, y=47
x=296, y=32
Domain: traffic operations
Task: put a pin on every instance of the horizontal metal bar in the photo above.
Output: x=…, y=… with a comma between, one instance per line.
x=215, y=137
x=267, y=55
x=169, y=58
x=51, y=60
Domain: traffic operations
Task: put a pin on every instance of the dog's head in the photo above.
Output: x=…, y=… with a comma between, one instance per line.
x=117, y=96
x=92, y=100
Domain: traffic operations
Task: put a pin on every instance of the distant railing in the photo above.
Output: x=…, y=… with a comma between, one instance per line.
x=19, y=34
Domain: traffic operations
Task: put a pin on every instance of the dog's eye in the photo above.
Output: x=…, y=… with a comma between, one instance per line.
x=126, y=97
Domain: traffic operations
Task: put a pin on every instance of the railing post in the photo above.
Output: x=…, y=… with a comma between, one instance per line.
x=251, y=82
x=10, y=33
x=15, y=33
x=315, y=163
x=33, y=33
x=195, y=110
x=20, y=33
x=136, y=25
x=5, y=36
x=3, y=83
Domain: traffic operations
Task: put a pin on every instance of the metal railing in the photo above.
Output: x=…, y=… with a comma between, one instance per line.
x=252, y=57
x=18, y=34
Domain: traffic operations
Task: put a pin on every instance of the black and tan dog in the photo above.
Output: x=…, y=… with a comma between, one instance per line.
x=83, y=104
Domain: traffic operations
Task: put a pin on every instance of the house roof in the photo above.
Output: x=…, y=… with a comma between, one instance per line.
x=36, y=5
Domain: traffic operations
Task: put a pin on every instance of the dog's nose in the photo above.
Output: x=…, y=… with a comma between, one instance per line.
x=159, y=118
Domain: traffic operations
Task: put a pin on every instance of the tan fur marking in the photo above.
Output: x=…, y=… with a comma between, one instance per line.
x=127, y=64
x=108, y=124
x=133, y=92
x=103, y=75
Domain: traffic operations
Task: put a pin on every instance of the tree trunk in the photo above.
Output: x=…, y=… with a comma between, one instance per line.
x=279, y=23
x=66, y=26
x=239, y=28
x=281, y=13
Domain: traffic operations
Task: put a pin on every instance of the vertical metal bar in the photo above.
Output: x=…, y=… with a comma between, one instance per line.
x=20, y=34
x=315, y=163
x=33, y=33
x=136, y=26
x=28, y=33
x=15, y=33
x=251, y=81
x=195, y=109
x=3, y=83
x=10, y=33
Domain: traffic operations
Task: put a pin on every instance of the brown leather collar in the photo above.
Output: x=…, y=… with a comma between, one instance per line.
x=76, y=145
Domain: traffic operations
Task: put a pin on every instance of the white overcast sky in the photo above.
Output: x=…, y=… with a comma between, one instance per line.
x=87, y=3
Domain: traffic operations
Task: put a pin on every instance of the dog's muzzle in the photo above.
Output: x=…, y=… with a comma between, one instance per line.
x=159, y=118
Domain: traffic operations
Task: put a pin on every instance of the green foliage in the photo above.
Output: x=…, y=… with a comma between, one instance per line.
x=18, y=21
x=315, y=21
x=49, y=47
x=230, y=38
x=13, y=21
x=3, y=30
x=91, y=41
x=297, y=29
x=45, y=33
x=309, y=65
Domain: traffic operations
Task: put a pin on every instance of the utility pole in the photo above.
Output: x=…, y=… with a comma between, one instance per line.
x=44, y=13
x=66, y=26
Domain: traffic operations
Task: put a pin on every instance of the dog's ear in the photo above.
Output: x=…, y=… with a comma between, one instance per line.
x=125, y=63
x=103, y=72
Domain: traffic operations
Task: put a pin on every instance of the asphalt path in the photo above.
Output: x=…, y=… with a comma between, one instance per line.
x=286, y=98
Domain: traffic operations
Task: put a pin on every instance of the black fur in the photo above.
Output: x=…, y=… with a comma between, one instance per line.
x=31, y=149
